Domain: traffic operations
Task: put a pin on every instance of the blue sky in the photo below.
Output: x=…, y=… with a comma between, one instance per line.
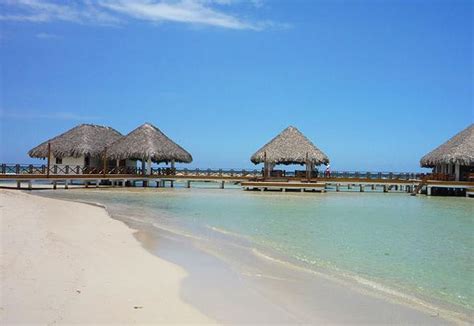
x=374, y=84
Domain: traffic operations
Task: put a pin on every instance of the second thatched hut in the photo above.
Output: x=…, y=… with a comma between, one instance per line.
x=148, y=144
x=289, y=147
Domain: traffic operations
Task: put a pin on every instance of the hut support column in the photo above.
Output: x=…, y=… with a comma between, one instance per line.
x=18, y=184
x=222, y=185
x=49, y=160
x=148, y=167
x=97, y=183
x=428, y=191
x=66, y=184
x=457, y=171
x=30, y=185
x=55, y=185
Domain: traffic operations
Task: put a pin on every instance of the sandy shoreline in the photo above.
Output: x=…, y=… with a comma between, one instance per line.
x=64, y=262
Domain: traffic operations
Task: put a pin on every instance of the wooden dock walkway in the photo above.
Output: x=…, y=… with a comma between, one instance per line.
x=27, y=175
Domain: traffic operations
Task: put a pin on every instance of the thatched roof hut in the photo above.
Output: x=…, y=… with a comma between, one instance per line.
x=82, y=140
x=148, y=143
x=458, y=150
x=290, y=147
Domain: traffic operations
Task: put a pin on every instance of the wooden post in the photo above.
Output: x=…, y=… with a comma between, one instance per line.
x=457, y=171
x=265, y=166
x=143, y=166
x=49, y=158
x=148, y=168
x=105, y=161
x=307, y=168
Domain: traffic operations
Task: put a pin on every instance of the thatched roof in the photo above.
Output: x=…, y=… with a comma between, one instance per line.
x=459, y=149
x=146, y=142
x=290, y=147
x=84, y=139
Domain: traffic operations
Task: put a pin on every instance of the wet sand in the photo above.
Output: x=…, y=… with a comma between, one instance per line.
x=233, y=284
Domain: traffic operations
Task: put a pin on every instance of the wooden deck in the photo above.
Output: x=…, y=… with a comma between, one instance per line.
x=284, y=186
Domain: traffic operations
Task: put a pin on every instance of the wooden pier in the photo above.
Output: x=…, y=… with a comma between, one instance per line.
x=26, y=175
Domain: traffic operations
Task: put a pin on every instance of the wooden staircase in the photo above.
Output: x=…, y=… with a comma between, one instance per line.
x=417, y=189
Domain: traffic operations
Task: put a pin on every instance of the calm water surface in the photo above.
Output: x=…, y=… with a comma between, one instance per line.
x=421, y=245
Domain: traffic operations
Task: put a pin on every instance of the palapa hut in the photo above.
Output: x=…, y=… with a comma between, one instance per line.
x=81, y=146
x=148, y=144
x=289, y=147
x=455, y=158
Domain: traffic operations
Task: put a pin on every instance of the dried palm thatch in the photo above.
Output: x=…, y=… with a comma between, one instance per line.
x=457, y=150
x=290, y=147
x=84, y=139
x=148, y=142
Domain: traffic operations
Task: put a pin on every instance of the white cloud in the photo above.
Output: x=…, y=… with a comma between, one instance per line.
x=116, y=12
x=185, y=11
x=36, y=11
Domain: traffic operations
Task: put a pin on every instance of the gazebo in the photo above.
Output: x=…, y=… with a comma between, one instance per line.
x=455, y=158
x=148, y=144
x=289, y=147
x=81, y=146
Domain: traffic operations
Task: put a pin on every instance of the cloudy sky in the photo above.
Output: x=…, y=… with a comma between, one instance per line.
x=375, y=84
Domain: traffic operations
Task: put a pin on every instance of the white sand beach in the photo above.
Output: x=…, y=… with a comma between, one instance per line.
x=64, y=262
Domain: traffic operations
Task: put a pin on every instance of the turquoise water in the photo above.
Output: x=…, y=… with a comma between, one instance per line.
x=419, y=245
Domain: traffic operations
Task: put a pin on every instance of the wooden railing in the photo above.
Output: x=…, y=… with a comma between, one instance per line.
x=35, y=169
